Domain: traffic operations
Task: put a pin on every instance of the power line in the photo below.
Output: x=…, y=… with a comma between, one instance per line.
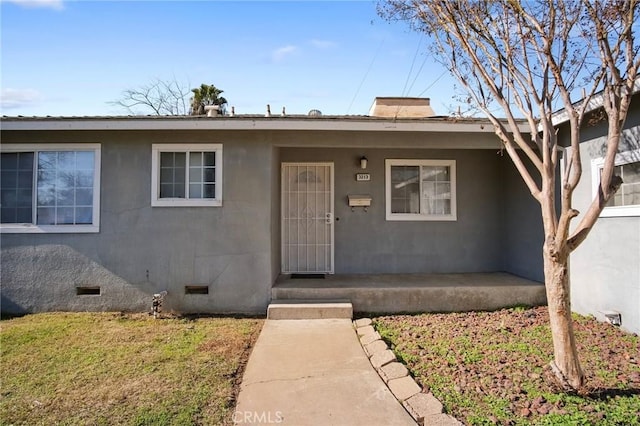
x=434, y=82
x=365, y=76
x=415, y=55
x=417, y=75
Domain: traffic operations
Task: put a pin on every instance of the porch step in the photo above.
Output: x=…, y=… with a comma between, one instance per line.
x=410, y=293
x=309, y=309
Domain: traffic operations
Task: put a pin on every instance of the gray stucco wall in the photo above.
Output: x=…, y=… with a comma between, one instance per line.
x=235, y=249
x=141, y=249
x=522, y=225
x=365, y=242
x=605, y=268
x=275, y=214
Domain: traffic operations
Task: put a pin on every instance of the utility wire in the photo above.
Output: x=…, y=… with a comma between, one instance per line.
x=434, y=82
x=415, y=55
x=406, y=91
x=365, y=76
x=417, y=75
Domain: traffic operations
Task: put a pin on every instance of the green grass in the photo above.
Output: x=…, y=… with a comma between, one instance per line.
x=109, y=368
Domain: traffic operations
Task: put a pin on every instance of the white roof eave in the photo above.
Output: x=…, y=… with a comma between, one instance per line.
x=595, y=102
x=274, y=124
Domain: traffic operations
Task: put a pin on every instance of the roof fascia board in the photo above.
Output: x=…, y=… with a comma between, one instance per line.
x=595, y=102
x=244, y=124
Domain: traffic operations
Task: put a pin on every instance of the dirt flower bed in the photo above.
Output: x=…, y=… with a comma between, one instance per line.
x=493, y=367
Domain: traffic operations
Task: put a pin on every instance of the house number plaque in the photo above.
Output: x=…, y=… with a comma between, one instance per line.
x=363, y=177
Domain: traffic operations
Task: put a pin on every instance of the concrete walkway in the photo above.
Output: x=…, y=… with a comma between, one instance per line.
x=314, y=372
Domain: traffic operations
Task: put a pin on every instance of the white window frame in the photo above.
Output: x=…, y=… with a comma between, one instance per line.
x=622, y=158
x=156, y=201
x=27, y=228
x=420, y=216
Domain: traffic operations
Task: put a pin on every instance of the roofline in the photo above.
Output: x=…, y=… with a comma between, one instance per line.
x=596, y=102
x=325, y=123
x=413, y=98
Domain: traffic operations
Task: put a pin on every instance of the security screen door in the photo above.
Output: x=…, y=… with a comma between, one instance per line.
x=307, y=218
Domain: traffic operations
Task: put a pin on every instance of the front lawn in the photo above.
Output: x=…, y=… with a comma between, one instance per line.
x=112, y=369
x=493, y=367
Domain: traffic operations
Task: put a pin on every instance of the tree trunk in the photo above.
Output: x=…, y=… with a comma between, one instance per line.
x=566, y=364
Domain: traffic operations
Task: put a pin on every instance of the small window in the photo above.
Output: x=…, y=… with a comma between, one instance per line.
x=625, y=202
x=50, y=188
x=186, y=175
x=420, y=189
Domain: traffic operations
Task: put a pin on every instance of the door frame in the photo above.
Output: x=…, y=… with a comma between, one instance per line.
x=329, y=164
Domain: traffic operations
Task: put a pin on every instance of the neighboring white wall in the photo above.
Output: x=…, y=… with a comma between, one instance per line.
x=605, y=269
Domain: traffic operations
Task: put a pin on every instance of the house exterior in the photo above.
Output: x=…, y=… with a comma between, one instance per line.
x=605, y=268
x=100, y=213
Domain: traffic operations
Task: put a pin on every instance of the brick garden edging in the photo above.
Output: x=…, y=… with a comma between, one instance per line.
x=423, y=407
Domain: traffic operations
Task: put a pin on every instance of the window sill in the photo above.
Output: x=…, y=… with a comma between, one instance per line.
x=621, y=211
x=186, y=203
x=420, y=218
x=48, y=229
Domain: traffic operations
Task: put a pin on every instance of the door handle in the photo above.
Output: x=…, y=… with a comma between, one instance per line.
x=328, y=217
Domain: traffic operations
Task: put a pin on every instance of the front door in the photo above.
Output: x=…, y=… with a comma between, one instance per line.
x=307, y=218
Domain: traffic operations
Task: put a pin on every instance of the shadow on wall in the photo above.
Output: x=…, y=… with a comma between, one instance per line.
x=630, y=141
x=55, y=277
x=9, y=308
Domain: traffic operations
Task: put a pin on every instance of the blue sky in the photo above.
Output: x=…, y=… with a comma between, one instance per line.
x=73, y=57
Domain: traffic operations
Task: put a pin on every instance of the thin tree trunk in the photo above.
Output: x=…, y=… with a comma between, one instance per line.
x=566, y=364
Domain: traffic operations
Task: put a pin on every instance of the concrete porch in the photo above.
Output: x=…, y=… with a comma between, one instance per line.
x=395, y=293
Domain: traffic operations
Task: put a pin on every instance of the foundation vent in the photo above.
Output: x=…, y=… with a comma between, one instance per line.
x=196, y=289
x=88, y=291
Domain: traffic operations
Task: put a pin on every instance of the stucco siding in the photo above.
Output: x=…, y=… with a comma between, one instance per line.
x=235, y=249
x=275, y=214
x=605, y=271
x=141, y=250
x=522, y=232
x=605, y=268
x=365, y=242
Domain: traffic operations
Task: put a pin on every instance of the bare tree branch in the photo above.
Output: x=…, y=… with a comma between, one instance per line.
x=159, y=97
x=529, y=59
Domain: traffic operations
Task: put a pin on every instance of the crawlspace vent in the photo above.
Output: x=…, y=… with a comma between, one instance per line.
x=196, y=289
x=88, y=291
